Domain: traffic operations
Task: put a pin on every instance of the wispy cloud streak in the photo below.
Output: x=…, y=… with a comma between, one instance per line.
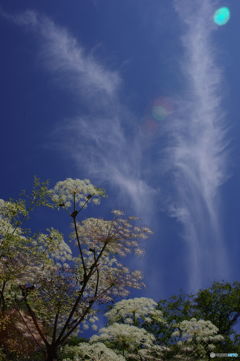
x=63, y=55
x=198, y=155
x=99, y=137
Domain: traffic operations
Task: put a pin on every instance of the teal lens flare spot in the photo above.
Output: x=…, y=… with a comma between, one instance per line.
x=221, y=16
x=159, y=112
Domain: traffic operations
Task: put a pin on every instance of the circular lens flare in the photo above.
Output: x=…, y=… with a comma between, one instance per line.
x=162, y=108
x=221, y=16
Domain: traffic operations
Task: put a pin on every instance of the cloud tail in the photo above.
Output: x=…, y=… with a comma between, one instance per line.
x=198, y=155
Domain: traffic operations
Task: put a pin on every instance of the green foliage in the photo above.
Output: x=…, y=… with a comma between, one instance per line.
x=174, y=310
x=3, y=356
x=76, y=340
x=220, y=304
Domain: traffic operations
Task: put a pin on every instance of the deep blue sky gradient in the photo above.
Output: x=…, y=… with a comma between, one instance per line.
x=141, y=41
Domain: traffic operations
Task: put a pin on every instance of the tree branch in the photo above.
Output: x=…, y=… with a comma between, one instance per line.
x=85, y=282
x=2, y=295
x=55, y=325
x=94, y=299
x=79, y=244
x=32, y=314
x=74, y=216
x=25, y=323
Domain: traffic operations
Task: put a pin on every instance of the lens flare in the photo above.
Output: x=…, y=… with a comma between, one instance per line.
x=162, y=108
x=221, y=16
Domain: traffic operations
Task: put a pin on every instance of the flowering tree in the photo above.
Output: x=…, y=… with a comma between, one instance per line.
x=57, y=282
x=195, y=339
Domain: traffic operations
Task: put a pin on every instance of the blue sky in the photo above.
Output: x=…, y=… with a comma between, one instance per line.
x=142, y=97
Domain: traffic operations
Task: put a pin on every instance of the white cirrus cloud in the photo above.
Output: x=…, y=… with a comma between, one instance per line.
x=198, y=154
x=100, y=137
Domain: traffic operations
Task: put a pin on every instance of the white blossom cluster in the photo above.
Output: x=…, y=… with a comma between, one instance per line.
x=114, y=280
x=120, y=235
x=19, y=262
x=53, y=245
x=135, y=311
x=9, y=211
x=124, y=337
x=6, y=228
x=94, y=352
x=200, y=330
x=197, y=336
x=90, y=321
x=153, y=353
x=64, y=192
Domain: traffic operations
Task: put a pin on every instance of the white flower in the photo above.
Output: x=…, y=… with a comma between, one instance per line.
x=134, y=310
x=117, y=212
x=124, y=337
x=65, y=191
x=200, y=335
x=95, y=352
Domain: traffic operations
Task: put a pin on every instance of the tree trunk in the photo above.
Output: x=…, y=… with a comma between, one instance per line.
x=51, y=354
